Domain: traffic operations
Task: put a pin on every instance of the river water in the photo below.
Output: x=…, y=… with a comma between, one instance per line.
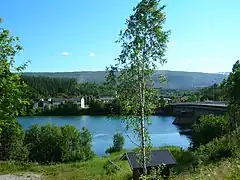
x=162, y=131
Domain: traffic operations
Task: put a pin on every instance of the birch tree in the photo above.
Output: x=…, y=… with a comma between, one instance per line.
x=143, y=44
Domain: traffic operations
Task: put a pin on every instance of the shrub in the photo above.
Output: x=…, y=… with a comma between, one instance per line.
x=11, y=141
x=118, y=143
x=184, y=158
x=208, y=128
x=109, y=169
x=214, y=151
x=51, y=143
x=158, y=173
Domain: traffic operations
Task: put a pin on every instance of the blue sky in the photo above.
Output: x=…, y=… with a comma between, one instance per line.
x=77, y=35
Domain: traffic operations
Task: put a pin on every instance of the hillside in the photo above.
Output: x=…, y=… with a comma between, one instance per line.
x=176, y=79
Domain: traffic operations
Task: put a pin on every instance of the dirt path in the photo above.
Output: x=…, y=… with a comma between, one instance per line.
x=21, y=177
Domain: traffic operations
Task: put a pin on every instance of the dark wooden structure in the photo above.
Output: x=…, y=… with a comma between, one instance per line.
x=158, y=158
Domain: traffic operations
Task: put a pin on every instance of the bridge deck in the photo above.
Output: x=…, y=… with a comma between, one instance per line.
x=206, y=104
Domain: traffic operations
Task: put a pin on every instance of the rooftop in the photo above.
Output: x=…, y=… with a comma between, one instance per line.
x=158, y=157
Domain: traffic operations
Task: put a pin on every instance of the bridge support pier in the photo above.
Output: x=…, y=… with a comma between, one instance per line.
x=185, y=120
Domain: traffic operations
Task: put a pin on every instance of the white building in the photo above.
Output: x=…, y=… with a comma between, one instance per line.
x=82, y=103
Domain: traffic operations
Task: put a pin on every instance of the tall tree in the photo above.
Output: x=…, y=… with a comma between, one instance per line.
x=231, y=88
x=12, y=90
x=11, y=86
x=143, y=47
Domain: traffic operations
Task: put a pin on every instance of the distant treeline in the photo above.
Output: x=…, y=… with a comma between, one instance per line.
x=44, y=87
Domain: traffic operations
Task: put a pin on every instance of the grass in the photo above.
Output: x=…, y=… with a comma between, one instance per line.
x=92, y=169
x=227, y=169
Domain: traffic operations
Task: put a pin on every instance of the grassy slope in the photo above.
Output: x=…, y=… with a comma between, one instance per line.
x=227, y=169
x=94, y=170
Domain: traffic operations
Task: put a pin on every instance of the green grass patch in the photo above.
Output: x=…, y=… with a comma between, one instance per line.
x=92, y=169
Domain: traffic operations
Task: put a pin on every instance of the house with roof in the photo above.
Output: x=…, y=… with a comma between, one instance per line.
x=59, y=102
x=157, y=158
x=105, y=99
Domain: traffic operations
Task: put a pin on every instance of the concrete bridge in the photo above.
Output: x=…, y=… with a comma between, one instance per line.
x=189, y=112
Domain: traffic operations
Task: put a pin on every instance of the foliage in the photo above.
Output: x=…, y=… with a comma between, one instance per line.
x=226, y=169
x=226, y=146
x=51, y=143
x=11, y=141
x=214, y=151
x=118, y=143
x=45, y=87
x=231, y=88
x=214, y=92
x=184, y=158
x=176, y=80
x=96, y=107
x=192, y=98
x=208, y=128
x=162, y=102
x=67, y=109
x=109, y=169
x=155, y=174
x=11, y=86
x=143, y=47
x=95, y=90
x=12, y=99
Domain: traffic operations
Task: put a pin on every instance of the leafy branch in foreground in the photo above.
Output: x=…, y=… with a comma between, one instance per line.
x=144, y=43
x=12, y=101
x=11, y=86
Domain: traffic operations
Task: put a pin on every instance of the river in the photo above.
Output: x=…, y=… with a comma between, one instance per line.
x=162, y=131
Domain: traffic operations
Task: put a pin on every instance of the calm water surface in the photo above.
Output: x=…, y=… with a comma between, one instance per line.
x=162, y=131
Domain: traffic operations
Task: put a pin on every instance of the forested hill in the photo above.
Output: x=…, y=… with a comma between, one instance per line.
x=176, y=79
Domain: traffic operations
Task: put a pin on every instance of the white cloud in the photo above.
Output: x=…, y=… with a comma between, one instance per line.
x=171, y=43
x=91, y=54
x=204, y=59
x=65, y=53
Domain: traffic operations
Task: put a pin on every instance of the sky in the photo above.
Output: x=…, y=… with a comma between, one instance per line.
x=80, y=35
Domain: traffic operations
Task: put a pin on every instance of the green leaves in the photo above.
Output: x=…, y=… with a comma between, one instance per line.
x=12, y=88
x=143, y=47
x=209, y=128
x=231, y=88
x=11, y=141
x=51, y=143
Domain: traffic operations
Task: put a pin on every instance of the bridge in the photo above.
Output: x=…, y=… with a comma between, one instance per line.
x=187, y=113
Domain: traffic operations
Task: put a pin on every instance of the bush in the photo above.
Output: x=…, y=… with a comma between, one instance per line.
x=214, y=151
x=11, y=141
x=185, y=158
x=109, y=169
x=208, y=128
x=118, y=143
x=159, y=173
x=51, y=143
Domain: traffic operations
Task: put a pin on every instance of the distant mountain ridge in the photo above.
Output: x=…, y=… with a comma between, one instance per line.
x=224, y=73
x=175, y=79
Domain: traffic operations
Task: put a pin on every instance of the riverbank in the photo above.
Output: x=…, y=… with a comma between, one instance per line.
x=166, y=111
x=95, y=169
